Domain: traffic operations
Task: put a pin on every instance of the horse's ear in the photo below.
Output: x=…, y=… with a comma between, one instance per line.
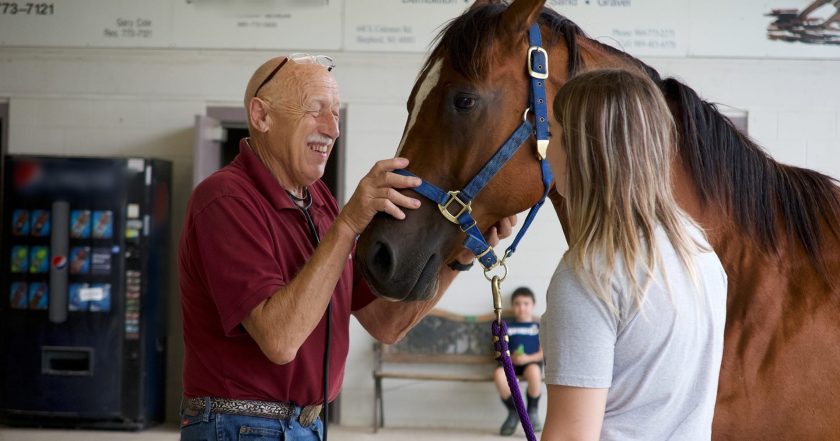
x=520, y=15
x=478, y=3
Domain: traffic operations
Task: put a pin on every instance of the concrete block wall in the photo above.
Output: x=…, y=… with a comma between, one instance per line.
x=143, y=102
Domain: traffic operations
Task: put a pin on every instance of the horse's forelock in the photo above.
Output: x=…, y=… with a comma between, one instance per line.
x=468, y=41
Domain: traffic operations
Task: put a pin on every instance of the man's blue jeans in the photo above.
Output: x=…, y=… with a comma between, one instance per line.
x=209, y=426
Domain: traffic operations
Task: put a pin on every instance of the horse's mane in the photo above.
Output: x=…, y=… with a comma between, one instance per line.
x=727, y=166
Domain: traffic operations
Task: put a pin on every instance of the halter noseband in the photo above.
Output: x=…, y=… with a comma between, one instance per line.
x=456, y=205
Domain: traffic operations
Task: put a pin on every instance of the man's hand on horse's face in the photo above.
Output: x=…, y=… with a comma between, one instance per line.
x=378, y=192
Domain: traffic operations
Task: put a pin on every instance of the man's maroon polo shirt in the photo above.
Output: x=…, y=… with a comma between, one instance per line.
x=243, y=239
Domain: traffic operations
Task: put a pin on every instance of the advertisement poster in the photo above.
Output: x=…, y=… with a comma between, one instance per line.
x=397, y=25
x=254, y=24
x=639, y=27
x=292, y=25
x=97, y=23
x=766, y=29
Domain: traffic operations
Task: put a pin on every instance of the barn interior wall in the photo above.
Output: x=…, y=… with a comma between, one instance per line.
x=144, y=102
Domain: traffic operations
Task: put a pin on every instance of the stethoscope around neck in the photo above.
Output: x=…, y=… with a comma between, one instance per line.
x=303, y=204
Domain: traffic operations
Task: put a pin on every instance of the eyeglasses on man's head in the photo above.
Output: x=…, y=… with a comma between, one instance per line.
x=323, y=60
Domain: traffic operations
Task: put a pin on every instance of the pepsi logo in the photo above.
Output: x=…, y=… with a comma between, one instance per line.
x=25, y=174
x=59, y=262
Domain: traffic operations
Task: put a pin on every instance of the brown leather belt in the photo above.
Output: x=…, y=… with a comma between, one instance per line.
x=263, y=409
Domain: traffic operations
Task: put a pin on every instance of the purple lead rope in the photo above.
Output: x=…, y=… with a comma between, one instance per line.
x=500, y=342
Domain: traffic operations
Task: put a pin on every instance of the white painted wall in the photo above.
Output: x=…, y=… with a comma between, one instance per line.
x=143, y=102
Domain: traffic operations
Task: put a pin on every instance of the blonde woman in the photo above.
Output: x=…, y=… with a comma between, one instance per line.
x=633, y=329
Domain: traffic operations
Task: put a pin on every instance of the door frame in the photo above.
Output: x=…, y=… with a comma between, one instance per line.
x=4, y=150
x=235, y=117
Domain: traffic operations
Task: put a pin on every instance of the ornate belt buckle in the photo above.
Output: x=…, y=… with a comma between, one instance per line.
x=309, y=414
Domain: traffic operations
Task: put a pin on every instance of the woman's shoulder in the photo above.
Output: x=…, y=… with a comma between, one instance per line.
x=569, y=279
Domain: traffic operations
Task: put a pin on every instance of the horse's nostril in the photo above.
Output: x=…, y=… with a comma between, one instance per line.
x=381, y=259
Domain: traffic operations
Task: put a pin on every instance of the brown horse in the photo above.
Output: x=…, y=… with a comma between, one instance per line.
x=775, y=227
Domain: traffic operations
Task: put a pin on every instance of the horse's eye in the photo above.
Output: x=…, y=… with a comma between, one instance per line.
x=464, y=102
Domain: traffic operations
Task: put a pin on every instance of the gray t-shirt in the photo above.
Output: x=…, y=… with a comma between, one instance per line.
x=661, y=366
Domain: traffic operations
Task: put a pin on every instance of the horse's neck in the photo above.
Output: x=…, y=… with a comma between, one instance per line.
x=758, y=279
x=736, y=249
x=720, y=227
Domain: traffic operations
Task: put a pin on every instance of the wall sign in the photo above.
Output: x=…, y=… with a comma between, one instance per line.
x=289, y=25
x=647, y=28
x=397, y=25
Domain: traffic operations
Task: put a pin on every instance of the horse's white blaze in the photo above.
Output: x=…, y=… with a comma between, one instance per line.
x=429, y=83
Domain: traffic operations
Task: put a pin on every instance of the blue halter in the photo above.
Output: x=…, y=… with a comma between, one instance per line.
x=455, y=205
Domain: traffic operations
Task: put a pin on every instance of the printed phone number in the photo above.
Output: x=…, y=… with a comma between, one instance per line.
x=26, y=8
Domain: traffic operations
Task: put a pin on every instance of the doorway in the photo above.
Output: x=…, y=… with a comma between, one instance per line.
x=217, y=143
x=4, y=149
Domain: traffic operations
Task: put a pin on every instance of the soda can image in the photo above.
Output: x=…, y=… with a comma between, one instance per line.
x=80, y=224
x=20, y=222
x=75, y=298
x=101, y=300
x=79, y=260
x=38, y=296
x=20, y=259
x=103, y=224
x=40, y=223
x=39, y=260
x=17, y=295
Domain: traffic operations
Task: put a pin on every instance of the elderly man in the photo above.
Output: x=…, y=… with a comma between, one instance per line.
x=267, y=281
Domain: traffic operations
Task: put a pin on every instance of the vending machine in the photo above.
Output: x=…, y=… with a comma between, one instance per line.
x=85, y=272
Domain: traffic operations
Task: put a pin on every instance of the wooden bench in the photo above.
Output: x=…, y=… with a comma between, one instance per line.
x=443, y=346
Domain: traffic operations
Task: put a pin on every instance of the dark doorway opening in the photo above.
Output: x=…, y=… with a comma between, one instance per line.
x=4, y=149
x=234, y=127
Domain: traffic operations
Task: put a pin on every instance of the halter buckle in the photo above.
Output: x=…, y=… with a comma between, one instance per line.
x=444, y=208
x=533, y=73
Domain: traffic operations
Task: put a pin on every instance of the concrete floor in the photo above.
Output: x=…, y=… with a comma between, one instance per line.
x=336, y=433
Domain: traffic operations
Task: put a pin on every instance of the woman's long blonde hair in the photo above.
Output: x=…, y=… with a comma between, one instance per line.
x=619, y=139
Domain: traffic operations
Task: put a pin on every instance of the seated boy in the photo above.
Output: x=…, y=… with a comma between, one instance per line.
x=527, y=358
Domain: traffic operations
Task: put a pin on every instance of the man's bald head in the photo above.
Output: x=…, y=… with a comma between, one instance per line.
x=260, y=75
x=293, y=122
x=289, y=85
